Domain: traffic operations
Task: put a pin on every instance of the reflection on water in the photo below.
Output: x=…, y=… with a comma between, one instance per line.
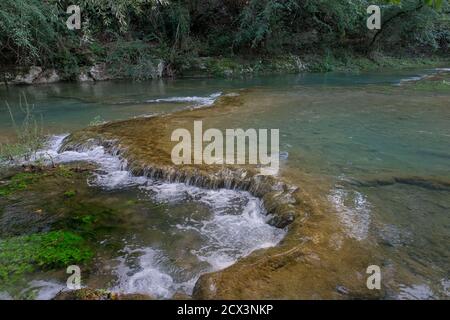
x=350, y=129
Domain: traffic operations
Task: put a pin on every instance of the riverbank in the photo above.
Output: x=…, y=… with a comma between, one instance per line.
x=221, y=67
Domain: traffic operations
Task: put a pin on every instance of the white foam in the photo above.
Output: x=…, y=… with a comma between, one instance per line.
x=446, y=286
x=353, y=210
x=5, y=296
x=45, y=290
x=147, y=278
x=197, y=101
x=411, y=79
x=232, y=235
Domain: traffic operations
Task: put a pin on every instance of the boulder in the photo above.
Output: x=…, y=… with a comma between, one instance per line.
x=84, y=77
x=98, y=72
x=47, y=76
x=160, y=69
x=29, y=77
x=301, y=66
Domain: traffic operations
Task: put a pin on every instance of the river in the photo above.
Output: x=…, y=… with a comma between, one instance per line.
x=377, y=148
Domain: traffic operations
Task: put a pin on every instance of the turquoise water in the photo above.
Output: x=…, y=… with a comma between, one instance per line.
x=69, y=106
x=384, y=150
x=361, y=138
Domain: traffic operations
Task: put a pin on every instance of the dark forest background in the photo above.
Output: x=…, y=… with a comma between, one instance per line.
x=129, y=33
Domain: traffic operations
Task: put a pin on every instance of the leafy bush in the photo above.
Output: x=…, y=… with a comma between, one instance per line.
x=133, y=59
x=140, y=31
x=28, y=30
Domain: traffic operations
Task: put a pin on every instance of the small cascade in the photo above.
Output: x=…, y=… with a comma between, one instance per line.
x=277, y=196
x=239, y=223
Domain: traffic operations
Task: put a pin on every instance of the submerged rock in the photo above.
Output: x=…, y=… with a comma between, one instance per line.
x=84, y=77
x=283, y=219
x=95, y=294
x=430, y=183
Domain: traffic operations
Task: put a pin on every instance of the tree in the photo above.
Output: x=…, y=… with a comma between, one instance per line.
x=27, y=30
x=410, y=11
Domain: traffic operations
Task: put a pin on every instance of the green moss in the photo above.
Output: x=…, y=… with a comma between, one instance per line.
x=18, y=182
x=40, y=251
x=88, y=219
x=64, y=172
x=23, y=180
x=70, y=194
x=131, y=202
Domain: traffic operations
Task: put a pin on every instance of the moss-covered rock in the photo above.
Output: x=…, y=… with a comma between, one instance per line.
x=40, y=251
x=17, y=182
x=94, y=294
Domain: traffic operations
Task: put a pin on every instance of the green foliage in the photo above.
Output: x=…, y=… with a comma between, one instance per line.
x=22, y=180
x=70, y=194
x=228, y=67
x=28, y=30
x=273, y=25
x=259, y=22
x=131, y=35
x=25, y=254
x=98, y=50
x=114, y=15
x=133, y=59
x=419, y=24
